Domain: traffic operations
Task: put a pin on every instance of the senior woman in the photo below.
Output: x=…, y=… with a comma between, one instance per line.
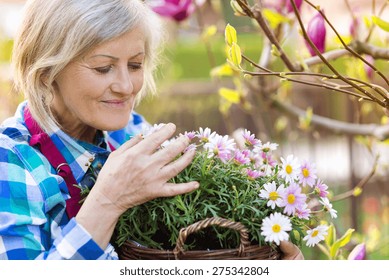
x=83, y=65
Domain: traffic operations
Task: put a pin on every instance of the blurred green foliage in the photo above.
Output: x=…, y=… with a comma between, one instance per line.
x=190, y=59
x=5, y=50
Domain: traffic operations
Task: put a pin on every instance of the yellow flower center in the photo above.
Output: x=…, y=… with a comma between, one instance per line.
x=273, y=196
x=276, y=228
x=291, y=198
x=316, y=232
x=288, y=169
x=305, y=172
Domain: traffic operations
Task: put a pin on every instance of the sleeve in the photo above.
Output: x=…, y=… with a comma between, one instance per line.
x=33, y=222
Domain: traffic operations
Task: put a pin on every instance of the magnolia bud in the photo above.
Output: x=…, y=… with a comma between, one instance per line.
x=178, y=10
x=317, y=33
x=289, y=6
x=368, y=70
x=354, y=28
x=358, y=253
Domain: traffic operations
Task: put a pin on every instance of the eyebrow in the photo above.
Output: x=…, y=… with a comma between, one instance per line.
x=114, y=57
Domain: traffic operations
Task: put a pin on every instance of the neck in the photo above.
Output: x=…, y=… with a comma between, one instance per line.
x=76, y=129
x=83, y=133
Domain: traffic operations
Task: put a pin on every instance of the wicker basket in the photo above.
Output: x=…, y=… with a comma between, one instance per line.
x=132, y=251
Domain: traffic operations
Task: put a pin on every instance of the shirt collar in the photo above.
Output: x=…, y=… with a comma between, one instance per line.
x=78, y=155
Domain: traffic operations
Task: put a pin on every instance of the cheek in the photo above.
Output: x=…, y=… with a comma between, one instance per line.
x=138, y=81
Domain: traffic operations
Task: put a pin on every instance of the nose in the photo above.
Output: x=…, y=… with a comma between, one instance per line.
x=122, y=83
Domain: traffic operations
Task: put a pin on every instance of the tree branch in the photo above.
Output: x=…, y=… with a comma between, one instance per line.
x=255, y=13
x=365, y=48
x=381, y=132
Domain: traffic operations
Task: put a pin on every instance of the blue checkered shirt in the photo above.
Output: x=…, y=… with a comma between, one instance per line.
x=33, y=220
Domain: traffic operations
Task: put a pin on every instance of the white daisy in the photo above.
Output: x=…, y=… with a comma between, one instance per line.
x=273, y=194
x=290, y=168
x=328, y=207
x=275, y=228
x=269, y=147
x=314, y=236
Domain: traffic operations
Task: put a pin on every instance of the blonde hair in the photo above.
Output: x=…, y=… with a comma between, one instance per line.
x=56, y=32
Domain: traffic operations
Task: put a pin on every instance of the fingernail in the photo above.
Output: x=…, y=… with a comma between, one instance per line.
x=196, y=185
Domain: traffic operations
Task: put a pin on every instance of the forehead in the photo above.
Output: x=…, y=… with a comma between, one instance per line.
x=131, y=42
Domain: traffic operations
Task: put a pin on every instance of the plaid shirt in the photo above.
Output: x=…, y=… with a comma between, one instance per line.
x=33, y=221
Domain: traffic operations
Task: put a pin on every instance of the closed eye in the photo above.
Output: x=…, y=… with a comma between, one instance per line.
x=134, y=66
x=103, y=70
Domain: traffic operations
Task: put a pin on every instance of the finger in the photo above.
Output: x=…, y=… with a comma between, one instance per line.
x=175, y=167
x=170, y=189
x=130, y=143
x=171, y=151
x=153, y=141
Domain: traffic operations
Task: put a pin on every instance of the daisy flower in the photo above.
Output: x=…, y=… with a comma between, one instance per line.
x=268, y=147
x=303, y=212
x=253, y=174
x=292, y=199
x=241, y=157
x=321, y=188
x=315, y=235
x=190, y=134
x=290, y=168
x=268, y=159
x=273, y=194
x=307, y=175
x=204, y=134
x=275, y=228
x=221, y=147
x=250, y=140
x=328, y=207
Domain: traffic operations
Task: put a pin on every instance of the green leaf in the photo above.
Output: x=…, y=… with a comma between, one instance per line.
x=238, y=11
x=305, y=122
x=235, y=55
x=331, y=237
x=231, y=95
x=275, y=51
x=367, y=22
x=384, y=25
x=222, y=70
x=274, y=18
x=209, y=32
x=324, y=250
x=341, y=242
x=230, y=35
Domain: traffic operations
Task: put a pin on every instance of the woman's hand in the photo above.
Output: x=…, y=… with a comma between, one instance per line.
x=133, y=174
x=290, y=251
x=139, y=170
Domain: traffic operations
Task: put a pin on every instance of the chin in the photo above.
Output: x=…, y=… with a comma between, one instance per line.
x=111, y=124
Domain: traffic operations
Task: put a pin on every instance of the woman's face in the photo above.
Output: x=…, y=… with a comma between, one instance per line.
x=99, y=90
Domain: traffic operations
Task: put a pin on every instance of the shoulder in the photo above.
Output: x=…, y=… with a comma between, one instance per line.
x=13, y=129
x=20, y=163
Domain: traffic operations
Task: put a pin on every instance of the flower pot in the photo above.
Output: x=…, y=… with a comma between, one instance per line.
x=131, y=250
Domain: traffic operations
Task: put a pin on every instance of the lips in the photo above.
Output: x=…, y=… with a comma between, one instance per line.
x=116, y=103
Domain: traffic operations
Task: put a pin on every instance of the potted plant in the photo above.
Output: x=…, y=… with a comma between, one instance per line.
x=248, y=200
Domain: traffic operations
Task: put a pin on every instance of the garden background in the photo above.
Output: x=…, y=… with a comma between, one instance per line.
x=191, y=96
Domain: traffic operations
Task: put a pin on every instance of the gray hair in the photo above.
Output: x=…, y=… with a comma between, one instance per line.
x=57, y=32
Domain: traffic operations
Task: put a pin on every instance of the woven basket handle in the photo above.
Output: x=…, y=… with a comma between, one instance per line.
x=214, y=221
